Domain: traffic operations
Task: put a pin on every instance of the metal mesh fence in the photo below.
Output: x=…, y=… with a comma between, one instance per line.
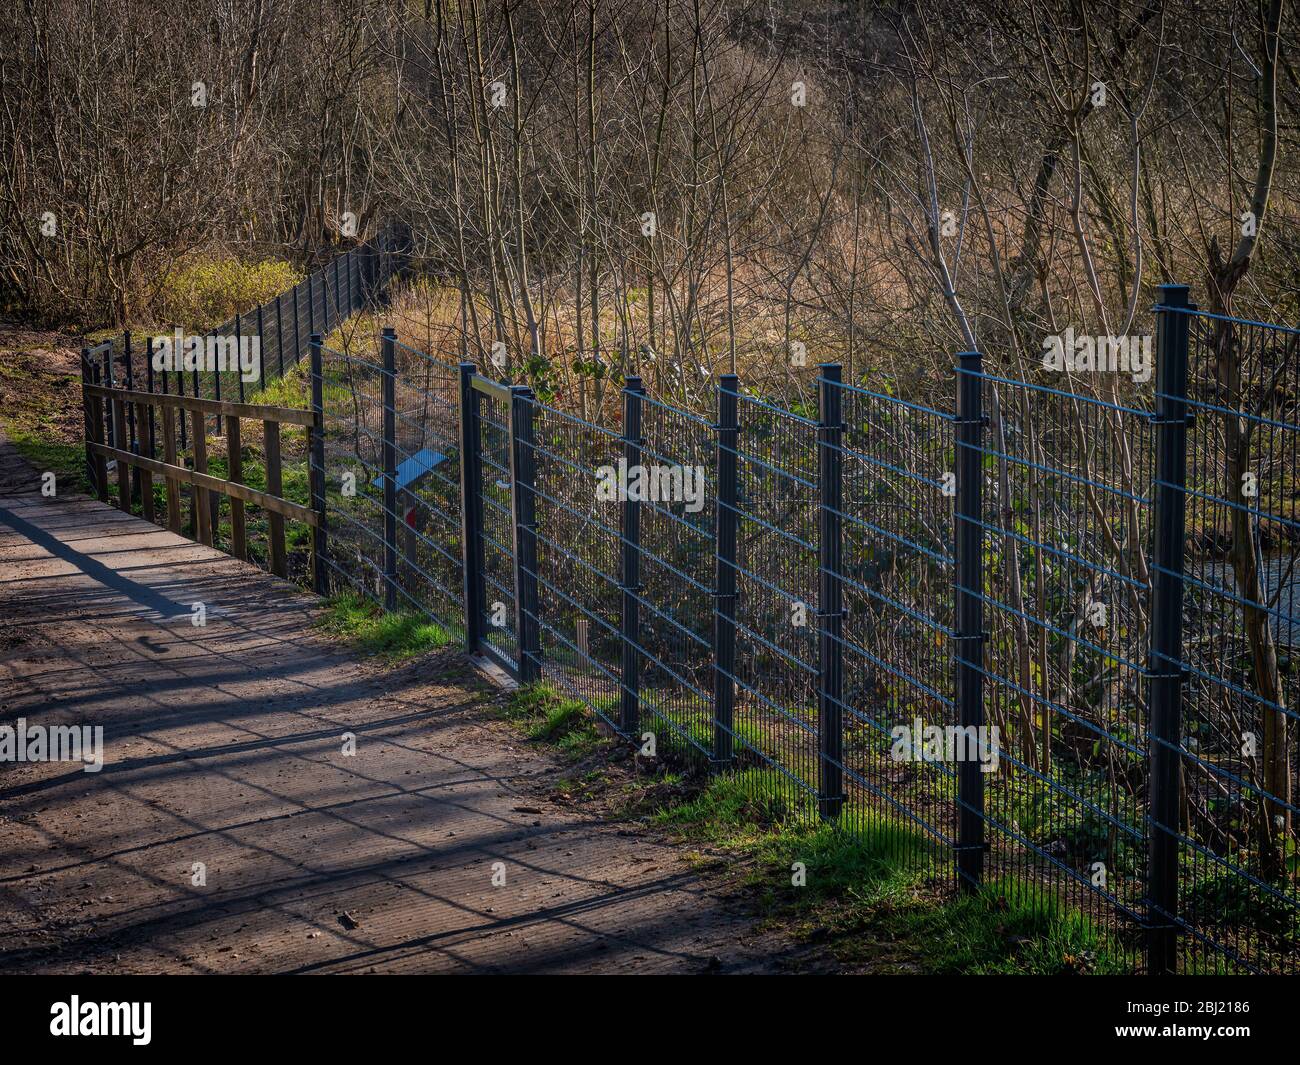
x=577, y=556
x=282, y=326
x=859, y=715
x=1067, y=534
x=775, y=720
x=675, y=653
x=1238, y=892
x=897, y=573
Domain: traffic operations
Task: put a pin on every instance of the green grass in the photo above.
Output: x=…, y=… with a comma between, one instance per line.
x=882, y=882
x=548, y=717
x=291, y=390
x=878, y=893
x=1009, y=929
x=395, y=636
x=66, y=461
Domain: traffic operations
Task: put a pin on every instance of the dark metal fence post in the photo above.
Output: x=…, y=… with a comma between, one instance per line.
x=830, y=595
x=297, y=325
x=87, y=410
x=471, y=507
x=216, y=386
x=146, y=432
x=311, y=305
x=261, y=348
x=390, y=468
x=629, y=716
x=320, y=580
x=149, y=387
x=968, y=659
x=523, y=476
x=724, y=585
x=1164, y=664
x=279, y=333
x=239, y=343
x=132, y=433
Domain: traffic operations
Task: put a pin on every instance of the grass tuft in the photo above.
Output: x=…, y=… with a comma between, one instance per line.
x=395, y=636
x=548, y=717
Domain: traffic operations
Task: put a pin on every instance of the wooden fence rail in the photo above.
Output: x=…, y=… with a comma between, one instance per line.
x=108, y=410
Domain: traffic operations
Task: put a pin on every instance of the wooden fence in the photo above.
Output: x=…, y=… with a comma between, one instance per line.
x=108, y=409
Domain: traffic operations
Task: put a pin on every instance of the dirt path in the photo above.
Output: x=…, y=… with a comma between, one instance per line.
x=223, y=746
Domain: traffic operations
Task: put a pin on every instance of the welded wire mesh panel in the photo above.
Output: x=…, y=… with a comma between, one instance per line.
x=352, y=393
x=295, y=311
x=578, y=548
x=497, y=534
x=270, y=341
x=776, y=603
x=897, y=574
x=426, y=424
x=319, y=306
x=677, y=575
x=1066, y=539
x=1239, y=896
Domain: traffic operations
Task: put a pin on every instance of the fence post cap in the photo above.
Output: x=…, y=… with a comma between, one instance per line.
x=1173, y=294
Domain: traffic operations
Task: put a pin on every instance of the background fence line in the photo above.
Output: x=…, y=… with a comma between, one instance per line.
x=321, y=302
